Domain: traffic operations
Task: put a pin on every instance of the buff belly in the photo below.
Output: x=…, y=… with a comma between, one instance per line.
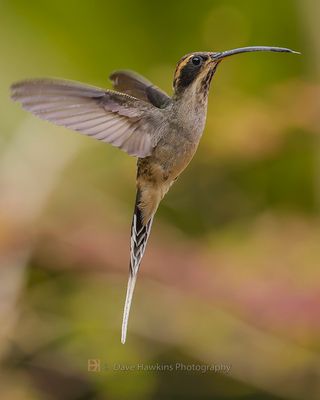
x=158, y=172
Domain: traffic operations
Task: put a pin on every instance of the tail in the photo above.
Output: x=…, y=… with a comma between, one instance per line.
x=139, y=236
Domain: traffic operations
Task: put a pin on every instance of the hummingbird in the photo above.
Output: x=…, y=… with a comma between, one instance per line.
x=163, y=132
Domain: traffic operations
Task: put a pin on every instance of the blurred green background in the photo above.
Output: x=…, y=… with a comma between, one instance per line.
x=231, y=273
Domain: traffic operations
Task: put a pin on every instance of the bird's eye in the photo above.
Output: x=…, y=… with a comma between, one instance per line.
x=196, y=60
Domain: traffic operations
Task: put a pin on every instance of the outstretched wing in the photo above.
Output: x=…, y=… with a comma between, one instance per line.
x=116, y=118
x=137, y=86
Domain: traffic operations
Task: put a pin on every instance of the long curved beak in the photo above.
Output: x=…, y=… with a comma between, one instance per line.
x=220, y=55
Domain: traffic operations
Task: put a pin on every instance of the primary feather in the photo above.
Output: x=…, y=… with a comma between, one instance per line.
x=116, y=118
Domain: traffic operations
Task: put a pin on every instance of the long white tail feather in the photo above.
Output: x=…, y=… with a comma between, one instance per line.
x=127, y=306
x=139, y=237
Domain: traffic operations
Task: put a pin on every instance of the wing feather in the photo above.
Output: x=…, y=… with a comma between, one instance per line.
x=137, y=86
x=116, y=118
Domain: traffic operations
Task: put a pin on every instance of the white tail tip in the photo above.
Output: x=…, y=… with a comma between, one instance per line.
x=127, y=306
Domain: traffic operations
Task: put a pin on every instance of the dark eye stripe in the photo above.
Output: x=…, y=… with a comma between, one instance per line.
x=187, y=74
x=186, y=71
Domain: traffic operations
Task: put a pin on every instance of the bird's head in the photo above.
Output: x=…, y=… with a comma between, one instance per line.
x=197, y=69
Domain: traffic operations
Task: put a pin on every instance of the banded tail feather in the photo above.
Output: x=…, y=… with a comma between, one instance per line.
x=139, y=236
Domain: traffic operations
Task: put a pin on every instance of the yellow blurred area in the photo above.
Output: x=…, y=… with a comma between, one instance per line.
x=228, y=297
